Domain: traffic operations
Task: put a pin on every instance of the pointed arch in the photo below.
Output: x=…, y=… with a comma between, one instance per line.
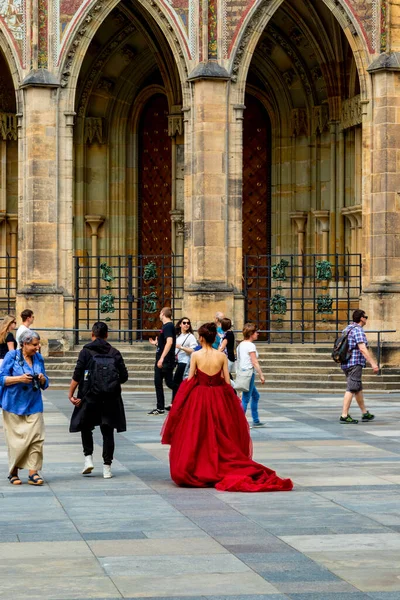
x=85, y=26
x=11, y=56
x=256, y=22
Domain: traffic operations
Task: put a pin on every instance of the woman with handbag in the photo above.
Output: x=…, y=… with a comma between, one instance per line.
x=184, y=346
x=248, y=366
x=208, y=431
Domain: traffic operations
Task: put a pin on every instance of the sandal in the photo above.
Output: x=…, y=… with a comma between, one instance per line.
x=14, y=480
x=35, y=479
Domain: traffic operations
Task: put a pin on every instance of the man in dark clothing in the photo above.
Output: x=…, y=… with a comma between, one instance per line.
x=93, y=408
x=165, y=359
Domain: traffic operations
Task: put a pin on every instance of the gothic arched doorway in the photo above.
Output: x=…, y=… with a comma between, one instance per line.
x=256, y=208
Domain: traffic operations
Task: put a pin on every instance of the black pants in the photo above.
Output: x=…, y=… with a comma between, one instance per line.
x=108, y=443
x=178, y=377
x=159, y=375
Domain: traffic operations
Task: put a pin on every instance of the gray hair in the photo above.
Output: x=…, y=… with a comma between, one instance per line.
x=27, y=337
x=219, y=315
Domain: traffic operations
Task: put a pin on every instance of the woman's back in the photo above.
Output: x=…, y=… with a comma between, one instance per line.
x=209, y=361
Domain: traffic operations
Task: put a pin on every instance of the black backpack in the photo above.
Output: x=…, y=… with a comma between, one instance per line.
x=104, y=375
x=341, y=352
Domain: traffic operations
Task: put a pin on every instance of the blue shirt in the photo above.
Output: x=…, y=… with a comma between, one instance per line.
x=21, y=398
x=356, y=336
x=218, y=339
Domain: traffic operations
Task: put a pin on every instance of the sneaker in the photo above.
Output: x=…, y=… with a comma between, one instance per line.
x=258, y=424
x=107, y=471
x=156, y=411
x=88, y=467
x=348, y=419
x=368, y=417
x=168, y=408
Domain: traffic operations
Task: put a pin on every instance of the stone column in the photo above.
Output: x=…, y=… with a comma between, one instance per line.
x=94, y=222
x=381, y=199
x=322, y=217
x=300, y=219
x=39, y=243
x=208, y=273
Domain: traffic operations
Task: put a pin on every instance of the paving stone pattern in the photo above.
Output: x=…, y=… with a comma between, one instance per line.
x=335, y=537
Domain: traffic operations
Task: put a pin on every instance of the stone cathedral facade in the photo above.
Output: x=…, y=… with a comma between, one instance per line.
x=206, y=130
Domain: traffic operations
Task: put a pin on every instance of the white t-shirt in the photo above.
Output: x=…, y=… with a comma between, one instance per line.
x=187, y=340
x=21, y=329
x=243, y=354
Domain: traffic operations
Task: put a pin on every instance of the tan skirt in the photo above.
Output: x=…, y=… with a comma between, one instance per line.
x=24, y=437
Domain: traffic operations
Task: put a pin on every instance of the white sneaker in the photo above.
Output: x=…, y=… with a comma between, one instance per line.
x=88, y=467
x=107, y=471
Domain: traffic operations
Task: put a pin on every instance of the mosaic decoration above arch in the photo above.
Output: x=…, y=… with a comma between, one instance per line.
x=368, y=14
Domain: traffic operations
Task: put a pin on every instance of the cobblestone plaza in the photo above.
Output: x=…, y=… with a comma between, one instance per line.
x=336, y=536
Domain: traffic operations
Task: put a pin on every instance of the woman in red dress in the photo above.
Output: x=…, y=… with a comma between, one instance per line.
x=208, y=431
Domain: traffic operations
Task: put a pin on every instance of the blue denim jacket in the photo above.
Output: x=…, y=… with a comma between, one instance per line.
x=21, y=398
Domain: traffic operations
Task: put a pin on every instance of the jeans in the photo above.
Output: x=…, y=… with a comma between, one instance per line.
x=160, y=374
x=178, y=377
x=108, y=442
x=253, y=397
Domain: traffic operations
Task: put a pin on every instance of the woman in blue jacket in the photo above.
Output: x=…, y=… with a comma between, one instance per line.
x=22, y=377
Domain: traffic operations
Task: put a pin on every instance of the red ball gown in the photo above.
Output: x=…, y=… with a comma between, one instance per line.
x=210, y=440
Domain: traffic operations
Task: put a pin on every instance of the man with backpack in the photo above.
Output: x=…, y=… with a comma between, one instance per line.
x=99, y=372
x=354, y=360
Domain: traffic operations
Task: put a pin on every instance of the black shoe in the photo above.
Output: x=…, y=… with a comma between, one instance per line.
x=156, y=411
x=368, y=417
x=168, y=408
x=348, y=419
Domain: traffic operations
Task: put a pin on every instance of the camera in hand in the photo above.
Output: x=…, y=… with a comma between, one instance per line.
x=35, y=382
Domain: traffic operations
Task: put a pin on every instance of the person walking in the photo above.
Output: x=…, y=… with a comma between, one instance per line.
x=352, y=368
x=228, y=344
x=99, y=372
x=23, y=377
x=184, y=346
x=165, y=359
x=208, y=432
x=248, y=359
x=27, y=318
x=7, y=339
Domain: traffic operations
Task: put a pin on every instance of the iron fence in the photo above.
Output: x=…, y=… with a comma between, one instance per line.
x=292, y=296
x=126, y=291
x=8, y=284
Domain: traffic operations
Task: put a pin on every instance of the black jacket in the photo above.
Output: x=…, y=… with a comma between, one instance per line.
x=98, y=410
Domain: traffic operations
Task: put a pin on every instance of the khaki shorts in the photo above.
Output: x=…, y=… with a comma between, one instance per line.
x=353, y=376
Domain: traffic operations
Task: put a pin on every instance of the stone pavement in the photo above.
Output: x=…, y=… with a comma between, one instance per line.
x=335, y=537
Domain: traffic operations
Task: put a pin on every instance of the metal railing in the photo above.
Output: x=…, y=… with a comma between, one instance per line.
x=297, y=292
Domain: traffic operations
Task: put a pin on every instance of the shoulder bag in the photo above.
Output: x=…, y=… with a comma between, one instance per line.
x=243, y=376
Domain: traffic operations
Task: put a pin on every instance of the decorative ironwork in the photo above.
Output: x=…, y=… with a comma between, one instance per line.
x=278, y=304
x=324, y=270
x=115, y=286
x=279, y=270
x=318, y=289
x=150, y=271
x=324, y=305
x=106, y=272
x=107, y=303
x=150, y=302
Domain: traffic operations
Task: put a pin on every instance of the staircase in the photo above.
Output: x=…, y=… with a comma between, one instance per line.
x=287, y=368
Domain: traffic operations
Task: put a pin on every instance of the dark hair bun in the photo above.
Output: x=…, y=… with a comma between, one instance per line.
x=208, y=332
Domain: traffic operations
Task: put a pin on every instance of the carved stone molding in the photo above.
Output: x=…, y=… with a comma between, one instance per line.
x=351, y=112
x=95, y=72
x=320, y=118
x=93, y=12
x=8, y=126
x=177, y=217
x=299, y=122
x=322, y=216
x=258, y=15
x=353, y=214
x=94, y=130
x=175, y=125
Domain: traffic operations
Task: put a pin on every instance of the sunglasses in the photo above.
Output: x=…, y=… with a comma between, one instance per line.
x=365, y=316
x=185, y=322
